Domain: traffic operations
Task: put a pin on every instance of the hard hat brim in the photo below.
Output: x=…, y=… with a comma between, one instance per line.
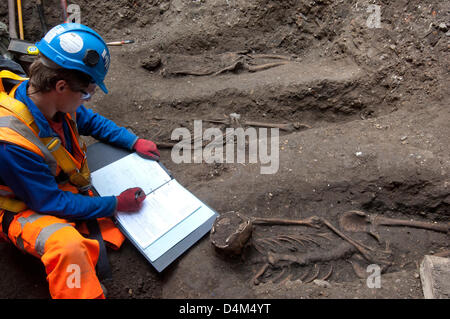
x=103, y=87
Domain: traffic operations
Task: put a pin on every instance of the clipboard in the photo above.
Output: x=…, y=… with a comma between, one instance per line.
x=179, y=238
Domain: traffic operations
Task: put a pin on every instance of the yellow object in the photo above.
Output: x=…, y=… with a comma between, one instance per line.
x=32, y=50
x=19, y=13
x=11, y=204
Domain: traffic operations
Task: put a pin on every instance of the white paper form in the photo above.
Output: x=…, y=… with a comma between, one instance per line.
x=130, y=171
x=167, y=203
x=160, y=246
x=162, y=210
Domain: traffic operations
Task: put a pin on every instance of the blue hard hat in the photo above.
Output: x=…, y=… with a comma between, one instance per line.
x=78, y=47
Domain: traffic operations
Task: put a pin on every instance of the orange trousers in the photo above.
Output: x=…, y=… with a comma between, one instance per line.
x=69, y=257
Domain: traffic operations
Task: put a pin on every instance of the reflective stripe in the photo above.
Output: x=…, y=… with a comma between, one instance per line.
x=19, y=243
x=22, y=221
x=45, y=233
x=30, y=219
x=22, y=129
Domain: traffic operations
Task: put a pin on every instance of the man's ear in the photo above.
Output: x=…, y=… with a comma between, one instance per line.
x=61, y=86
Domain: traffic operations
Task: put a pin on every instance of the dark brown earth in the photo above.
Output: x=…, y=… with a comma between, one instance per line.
x=374, y=102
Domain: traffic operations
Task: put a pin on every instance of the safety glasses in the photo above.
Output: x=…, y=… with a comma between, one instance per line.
x=85, y=95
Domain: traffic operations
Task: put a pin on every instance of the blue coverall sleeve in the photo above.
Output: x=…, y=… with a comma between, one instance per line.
x=103, y=129
x=32, y=182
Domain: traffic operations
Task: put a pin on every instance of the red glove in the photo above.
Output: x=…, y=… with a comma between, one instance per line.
x=147, y=149
x=130, y=200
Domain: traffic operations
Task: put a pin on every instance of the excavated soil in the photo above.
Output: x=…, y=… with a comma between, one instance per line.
x=372, y=104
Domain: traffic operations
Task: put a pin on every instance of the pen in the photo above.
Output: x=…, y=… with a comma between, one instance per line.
x=116, y=43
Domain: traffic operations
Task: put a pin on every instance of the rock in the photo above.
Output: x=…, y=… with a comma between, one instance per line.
x=435, y=277
x=443, y=27
x=322, y=283
x=164, y=7
x=151, y=62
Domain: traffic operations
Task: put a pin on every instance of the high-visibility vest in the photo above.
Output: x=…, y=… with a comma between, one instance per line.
x=18, y=127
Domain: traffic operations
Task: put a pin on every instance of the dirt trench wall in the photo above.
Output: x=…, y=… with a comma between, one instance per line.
x=375, y=99
x=407, y=51
x=355, y=165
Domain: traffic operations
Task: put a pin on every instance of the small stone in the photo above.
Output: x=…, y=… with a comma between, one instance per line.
x=322, y=283
x=443, y=27
x=164, y=7
x=151, y=62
